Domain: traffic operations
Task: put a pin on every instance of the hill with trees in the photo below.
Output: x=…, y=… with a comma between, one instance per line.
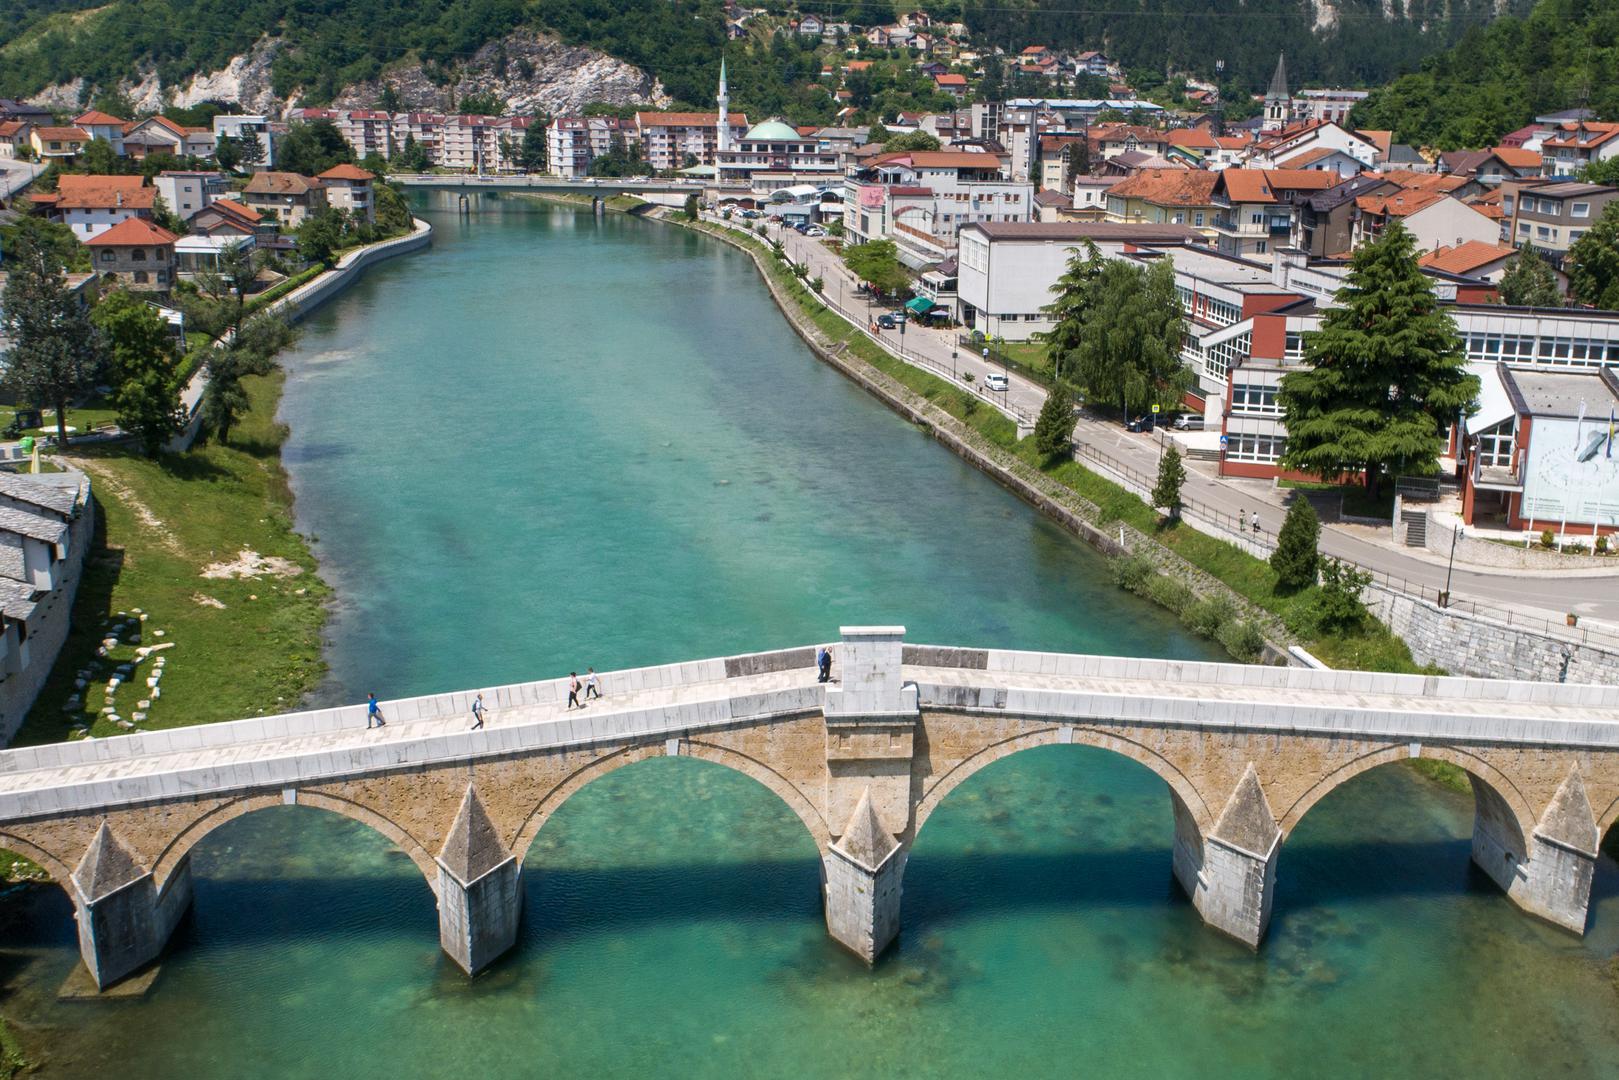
x=1498, y=77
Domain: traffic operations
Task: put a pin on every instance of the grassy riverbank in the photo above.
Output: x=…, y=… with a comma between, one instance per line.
x=202, y=544
x=1371, y=648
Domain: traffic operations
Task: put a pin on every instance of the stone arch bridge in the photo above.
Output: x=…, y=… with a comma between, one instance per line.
x=863, y=761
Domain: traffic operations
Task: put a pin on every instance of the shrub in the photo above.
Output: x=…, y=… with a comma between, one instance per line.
x=1209, y=615
x=1574, y=547
x=1242, y=639
x=1547, y=540
x=1338, y=606
x=1296, y=559
x=1602, y=545
x=817, y=284
x=1132, y=572
x=1170, y=593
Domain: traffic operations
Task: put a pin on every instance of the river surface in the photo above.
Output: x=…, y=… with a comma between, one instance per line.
x=554, y=442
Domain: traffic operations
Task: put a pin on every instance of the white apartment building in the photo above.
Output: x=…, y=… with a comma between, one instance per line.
x=921, y=199
x=243, y=127
x=573, y=142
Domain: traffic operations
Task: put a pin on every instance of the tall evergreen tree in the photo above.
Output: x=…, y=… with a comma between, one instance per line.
x=1593, y=262
x=55, y=352
x=1054, y=428
x=1529, y=282
x=1076, y=295
x=1386, y=373
x=1166, y=493
x=532, y=150
x=1296, y=559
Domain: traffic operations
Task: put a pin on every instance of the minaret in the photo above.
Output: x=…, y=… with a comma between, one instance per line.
x=724, y=99
x=1278, y=102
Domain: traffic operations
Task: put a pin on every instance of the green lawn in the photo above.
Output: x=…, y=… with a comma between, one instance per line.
x=239, y=646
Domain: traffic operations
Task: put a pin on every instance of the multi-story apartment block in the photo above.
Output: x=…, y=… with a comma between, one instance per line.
x=773, y=155
x=921, y=199
x=675, y=140
x=1332, y=104
x=573, y=142
x=1255, y=208
x=1550, y=216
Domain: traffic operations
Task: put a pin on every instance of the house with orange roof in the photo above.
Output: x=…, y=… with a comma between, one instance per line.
x=1276, y=147
x=52, y=143
x=13, y=136
x=100, y=125
x=1575, y=145
x=90, y=204
x=136, y=253
x=227, y=217
x=1324, y=159
x=1491, y=166
x=284, y=197
x=1256, y=209
x=160, y=135
x=349, y=187
x=952, y=84
x=1165, y=197
x=1475, y=258
x=1434, y=218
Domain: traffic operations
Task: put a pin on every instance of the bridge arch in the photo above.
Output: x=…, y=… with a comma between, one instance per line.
x=1495, y=794
x=755, y=770
x=188, y=838
x=57, y=868
x=1180, y=786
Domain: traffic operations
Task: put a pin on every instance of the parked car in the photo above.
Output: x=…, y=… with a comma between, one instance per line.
x=1188, y=422
x=1140, y=423
x=814, y=230
x=996, y=381
x=887, y=322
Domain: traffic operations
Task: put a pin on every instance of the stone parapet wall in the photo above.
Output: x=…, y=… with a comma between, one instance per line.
x=1475, y=551
x=1470, y=644
x=306, y=298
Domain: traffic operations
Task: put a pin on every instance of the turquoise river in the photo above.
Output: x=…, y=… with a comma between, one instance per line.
x=554, y=441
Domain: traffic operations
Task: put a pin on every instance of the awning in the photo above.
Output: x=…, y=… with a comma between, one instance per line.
x=1494, y=405
x=921, y=305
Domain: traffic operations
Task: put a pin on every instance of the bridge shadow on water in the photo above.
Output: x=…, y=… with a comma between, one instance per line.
x=938, y=887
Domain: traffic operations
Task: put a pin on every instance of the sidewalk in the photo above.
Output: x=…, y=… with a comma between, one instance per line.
x=1552, y=596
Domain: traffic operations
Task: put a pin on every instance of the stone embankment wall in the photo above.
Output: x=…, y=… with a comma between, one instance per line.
x=47, y=629
x=1061, y=504
x=1464, y=643
x=306, y=298
x=1475, y=551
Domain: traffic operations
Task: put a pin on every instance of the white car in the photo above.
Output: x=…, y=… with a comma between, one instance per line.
x=996, y=381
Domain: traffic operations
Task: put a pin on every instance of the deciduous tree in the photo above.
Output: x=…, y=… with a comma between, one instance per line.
x=1593, y=262
x=252, y=352
x=1385, y=373
x=876, y=262
x=1130, y=347
x=144, y=368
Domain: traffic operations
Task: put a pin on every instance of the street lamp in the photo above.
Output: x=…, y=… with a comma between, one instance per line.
x=952, y=363
x=1444, y=600
x=902, y=323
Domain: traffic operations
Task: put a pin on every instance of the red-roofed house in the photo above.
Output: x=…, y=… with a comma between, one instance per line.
x=285, y=197
x=1256, y=208
x=349, y=187
x=159, y=134
x=1574, y=146
x=1165, y=197
x=89, y=204
x=136, y=253
x=1476, y=259
x=57, y=143
x=13, y=135
x=100, y=125
x=1432, y=217
x=954, y=85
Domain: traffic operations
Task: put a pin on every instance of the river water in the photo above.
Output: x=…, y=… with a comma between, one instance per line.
x=555, y=441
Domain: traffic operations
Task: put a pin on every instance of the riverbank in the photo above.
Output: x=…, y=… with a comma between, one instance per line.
x=1215, y=588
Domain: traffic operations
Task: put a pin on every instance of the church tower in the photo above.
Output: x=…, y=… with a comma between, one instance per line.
x=1278, y=102
x=723, y=123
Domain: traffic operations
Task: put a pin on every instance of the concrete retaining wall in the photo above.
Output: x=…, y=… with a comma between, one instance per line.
x=1468, y=644
x=306, y=298
x=1474, y=551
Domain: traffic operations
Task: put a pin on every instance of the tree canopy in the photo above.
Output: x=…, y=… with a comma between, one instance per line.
x=1593, y=262
x=876, y=262
x=1529, y=282
x=55, y=352
x=144, y=368
x=1129, y=342
x=1385, y=373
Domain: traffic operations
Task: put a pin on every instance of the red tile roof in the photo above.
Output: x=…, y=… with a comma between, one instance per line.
x=133, y=232
x=1400, y=203
x=1261, y=185
x=232, y=208
x=346, y=172
x=99, y=119
x=62, y=134
x=1517, y=157
x=280, y=183
x=1168, y=187
x=1465, y=258
x=688, y=119
x=103, y=192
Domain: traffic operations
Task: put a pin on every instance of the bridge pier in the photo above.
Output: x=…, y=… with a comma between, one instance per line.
x=1555, y=884
x=480, y=890
x=1230, y=874
x=871, y=716
x=124, y=920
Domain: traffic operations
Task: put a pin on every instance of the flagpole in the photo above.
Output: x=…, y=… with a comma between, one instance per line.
x=1596, y=515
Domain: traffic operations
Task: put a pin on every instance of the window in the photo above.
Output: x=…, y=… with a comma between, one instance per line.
x=1523, y=227
x=1542, y=232
x=1575, y=234
x=1254, y=399
x=1256, y=219
x=1261, y=247
x=1265, y=449
x=140, y=277
x=1580, y=209
x=1197, y=218
x=1495, y=450
x=138, y=254
x=107, y=256
x=1506, y=203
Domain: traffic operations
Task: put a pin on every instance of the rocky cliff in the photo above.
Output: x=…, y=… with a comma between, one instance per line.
x=530, y=72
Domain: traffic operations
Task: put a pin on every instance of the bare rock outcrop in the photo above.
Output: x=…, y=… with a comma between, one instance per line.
x=530, y=72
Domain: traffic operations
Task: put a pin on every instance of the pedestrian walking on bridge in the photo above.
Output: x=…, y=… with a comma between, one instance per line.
x=573, y=691
x=592, y=684
x=373, y=713
x=477, y=712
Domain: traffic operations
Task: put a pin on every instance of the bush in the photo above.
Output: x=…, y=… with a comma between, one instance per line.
x=1547, y=539
x=817, y=284
x=1574, y=547
x=1338, y=607
x=1170, y=593
x=1242, y=639
x=1602, y=545
x=1209, y=615
x=1295, y=559
x=1132, y=572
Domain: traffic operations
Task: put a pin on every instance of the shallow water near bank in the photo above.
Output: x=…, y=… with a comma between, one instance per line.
x=557, y=441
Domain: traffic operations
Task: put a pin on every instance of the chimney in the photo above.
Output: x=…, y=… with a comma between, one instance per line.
x=118, y=199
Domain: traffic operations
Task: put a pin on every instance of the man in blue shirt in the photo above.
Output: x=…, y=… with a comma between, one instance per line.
x=372, y=713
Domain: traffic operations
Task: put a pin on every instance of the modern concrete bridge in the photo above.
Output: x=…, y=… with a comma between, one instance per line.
x=1244, y=752
x=604, y=186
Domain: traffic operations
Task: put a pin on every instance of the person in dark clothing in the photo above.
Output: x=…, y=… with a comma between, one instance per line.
x=573, y=690
x=823, y=661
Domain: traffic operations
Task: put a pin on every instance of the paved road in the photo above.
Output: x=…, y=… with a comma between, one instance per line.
x=16, y=175
x=1550, y=594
